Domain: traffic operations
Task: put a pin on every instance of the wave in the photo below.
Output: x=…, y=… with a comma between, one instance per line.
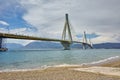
x=103, y=62
x=96, y=63
x=24, y=70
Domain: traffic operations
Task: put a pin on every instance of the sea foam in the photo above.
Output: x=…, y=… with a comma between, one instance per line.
x=103, y=62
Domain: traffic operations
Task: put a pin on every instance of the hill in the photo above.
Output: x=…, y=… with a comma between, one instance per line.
x=13, y=46
x=46, y=45
x=53, y=45
x=107, y=45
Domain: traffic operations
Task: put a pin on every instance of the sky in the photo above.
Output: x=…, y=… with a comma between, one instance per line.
x=45, y=18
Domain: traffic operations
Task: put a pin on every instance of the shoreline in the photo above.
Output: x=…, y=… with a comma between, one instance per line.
x=108, y=62
x=69, y=72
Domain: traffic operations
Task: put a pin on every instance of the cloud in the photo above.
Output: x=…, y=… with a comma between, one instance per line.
x=12, y=12
x=100, y=17
x=103, y=39
x=4, y=23
x=46, y=18
x=3, y=30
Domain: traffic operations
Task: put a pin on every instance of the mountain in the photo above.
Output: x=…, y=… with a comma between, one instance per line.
x=107, y=45
x=13, y=46
x=46, y=45
x=43, y=44
x=49, y=45
x=53, y=45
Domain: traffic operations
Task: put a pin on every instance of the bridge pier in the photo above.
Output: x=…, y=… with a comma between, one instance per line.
x=84, y=46
x=1, y=45
x=66, y=45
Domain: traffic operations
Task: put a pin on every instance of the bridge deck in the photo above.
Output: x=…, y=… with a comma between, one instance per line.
x=14, y=36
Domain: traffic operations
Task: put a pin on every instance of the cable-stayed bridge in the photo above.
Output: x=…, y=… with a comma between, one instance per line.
x=66, y=41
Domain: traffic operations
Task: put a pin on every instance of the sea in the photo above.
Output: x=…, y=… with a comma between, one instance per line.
x=12, y=60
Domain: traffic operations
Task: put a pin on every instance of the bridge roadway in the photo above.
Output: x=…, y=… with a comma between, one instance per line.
x=15, y=36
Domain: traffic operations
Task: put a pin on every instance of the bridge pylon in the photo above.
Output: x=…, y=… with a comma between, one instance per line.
x=67, y=35
x=84, y=40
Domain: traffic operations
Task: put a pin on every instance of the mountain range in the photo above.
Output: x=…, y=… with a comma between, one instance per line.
x=53, y=45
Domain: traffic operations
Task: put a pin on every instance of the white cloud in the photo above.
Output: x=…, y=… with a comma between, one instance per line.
x=3, y=30
x=101, y=17
x=115, y=37
x=18, y=30
x=4, y=23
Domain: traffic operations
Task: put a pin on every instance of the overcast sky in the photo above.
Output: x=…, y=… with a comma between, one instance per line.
x=46, y=18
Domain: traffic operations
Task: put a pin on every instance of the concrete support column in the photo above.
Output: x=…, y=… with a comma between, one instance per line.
x=0, y=42
x=84, y=45
x=2, y=48
x=66, y=45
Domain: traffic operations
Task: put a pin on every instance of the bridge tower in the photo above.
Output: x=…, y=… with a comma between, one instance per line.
x=67, y=35
x=84, y=40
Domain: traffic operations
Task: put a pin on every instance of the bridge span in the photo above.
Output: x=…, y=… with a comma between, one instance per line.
x=15, y=36
x=64, y=41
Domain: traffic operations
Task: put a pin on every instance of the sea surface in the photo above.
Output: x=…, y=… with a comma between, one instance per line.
x=33, y=59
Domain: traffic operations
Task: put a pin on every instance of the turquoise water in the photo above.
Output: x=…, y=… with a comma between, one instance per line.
x=31, y=59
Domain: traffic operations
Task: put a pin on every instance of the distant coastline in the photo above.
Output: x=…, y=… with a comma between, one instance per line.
x=52, y=45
